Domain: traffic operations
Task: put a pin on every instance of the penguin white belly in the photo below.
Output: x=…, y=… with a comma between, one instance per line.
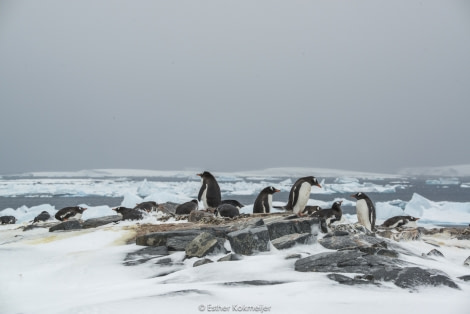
x=270, y=203
x=204, y=198
x=304, y=195
x=410, y=224
x=362, y=211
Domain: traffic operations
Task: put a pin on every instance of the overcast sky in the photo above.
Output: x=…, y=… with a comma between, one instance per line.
x=233, y=85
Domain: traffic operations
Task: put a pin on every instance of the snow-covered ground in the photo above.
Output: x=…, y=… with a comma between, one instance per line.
x=83, y=272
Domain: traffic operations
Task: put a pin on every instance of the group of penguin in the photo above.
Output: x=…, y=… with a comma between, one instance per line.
x=210, y=195
x=299, y=195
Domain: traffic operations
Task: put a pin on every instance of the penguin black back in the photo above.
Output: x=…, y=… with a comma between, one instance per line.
x=147, y=206
x=263, y=202
x=43, y=216
x=186, y=208
x=232, y=202
x=129, y=213
x=209, y=193
x=227, y=210
x=69, y=213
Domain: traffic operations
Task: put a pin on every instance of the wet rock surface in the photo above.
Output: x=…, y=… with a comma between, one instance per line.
x=66, y=226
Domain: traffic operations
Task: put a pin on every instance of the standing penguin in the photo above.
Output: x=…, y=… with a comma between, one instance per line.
x=209, y=193
x=365, y=211
x=67, y=213
x=300, y=193
x=264, y=201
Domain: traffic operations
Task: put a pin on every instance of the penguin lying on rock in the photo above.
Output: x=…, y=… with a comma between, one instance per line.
x=186, y=208
x=227, y=210
x=329, y=215
x=69, y=213
x=129, y=213
x=401, y=222
x=43, y=216
x=147, y=206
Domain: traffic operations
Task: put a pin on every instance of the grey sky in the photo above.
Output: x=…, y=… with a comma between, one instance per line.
x=233, y=85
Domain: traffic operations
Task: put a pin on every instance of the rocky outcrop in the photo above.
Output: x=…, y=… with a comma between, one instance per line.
x=66, y=226
x=101, y=221
x=289, y=240
x=340, y=240
x=205, y=244
x=143, y=255
x=249, y=240
x=376, y=267
x=173, y=240
x=280, y=228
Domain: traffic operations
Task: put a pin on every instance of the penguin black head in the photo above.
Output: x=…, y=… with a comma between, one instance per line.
x=121, y=209
x=411, y=218
x=195, y=202
x=81, y=209
x=337, y=205
x=359, y=196
x=271, y=190
x=313, y=181
x=205, y=174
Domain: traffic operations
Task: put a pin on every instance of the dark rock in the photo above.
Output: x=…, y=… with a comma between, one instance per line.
x=379, y=267
x=465, y=278
x=284, y=227
x=143, y=255
x=411, y=277
x=348, y=241
x=293, y=256
x=67, y=225
x=164, y=261
x=435, y=252
x=184, y=293
x=202, y=262
x=199, y=215
x=250, y=240
x=41, y=225
x=101, y=221
x=337, y=233
x=205, y=244
x=290, y=240
x=345, y=280
x=467, y=262
x=254, y=283
x=230, y=257
x=174, y=240
x=349, y=261
x=167, y=208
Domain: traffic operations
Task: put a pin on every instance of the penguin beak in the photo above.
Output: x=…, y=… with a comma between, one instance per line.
x=353, y=196
x=318, y=184
x=199, y=174
x=276, y=190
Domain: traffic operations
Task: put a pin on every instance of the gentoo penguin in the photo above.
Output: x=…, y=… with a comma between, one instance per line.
x=129, y=213
x=226, y=210
x=43, y=216
x=147, y=206
x=309, y=209
x=186, y=208
x=67, y=213
x=209, y=193
x=300, y=193
x=400, y=221
x=329, y=215
x=365, y=211
x=264, y=201
x=232, y=202
x=7, y=220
